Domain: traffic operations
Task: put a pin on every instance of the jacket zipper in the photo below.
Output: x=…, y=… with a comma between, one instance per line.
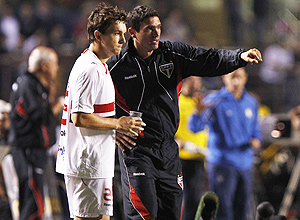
x=144, y=85
x=149, y=71
x=160, y=83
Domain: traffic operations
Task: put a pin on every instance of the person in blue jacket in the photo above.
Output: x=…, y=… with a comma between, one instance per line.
x=230, y=114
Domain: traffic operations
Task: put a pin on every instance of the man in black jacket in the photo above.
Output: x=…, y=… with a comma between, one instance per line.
x=32, y=129
x=148, y=75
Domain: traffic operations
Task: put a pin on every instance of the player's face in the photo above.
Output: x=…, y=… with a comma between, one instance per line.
x=235, y=82
x=52, y=66
x=114, y=38
x=147, y=39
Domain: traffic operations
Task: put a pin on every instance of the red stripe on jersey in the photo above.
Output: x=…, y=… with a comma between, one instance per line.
x=103, y=108
x=85, y=50
x=105, y=68
x=63, y=121
x=67, y=93
x=65, y=107
x=139, y=206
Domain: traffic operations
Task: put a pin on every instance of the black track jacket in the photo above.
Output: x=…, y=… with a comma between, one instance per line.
x=153, y=87
x=32, y=120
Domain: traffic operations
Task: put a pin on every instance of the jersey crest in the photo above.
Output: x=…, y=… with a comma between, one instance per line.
x=167, y=69
x=180, y=180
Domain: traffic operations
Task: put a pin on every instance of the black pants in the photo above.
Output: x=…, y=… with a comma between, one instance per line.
x=30, y=165
x=151, y=190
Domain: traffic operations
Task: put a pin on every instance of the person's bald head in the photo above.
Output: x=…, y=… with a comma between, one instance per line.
x=39, y=56
x=43, y=62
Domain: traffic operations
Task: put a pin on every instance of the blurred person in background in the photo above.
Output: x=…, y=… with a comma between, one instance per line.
x=294, y=114
x=277, y=72
x=32, y=129
x=5, y=211
x=231, y=115
x=10, y=28
x=5, y=109
x=29, y=22
x=261, y=15
x=45, y=14
x=175, y=28
x=235, y=20
x=192, y=148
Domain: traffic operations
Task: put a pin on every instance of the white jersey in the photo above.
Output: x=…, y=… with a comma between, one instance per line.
x=83, y=152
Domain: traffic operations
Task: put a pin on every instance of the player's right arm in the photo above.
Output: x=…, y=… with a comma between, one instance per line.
x=94, y=121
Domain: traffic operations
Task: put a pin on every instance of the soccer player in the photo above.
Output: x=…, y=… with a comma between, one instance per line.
x=87, y=143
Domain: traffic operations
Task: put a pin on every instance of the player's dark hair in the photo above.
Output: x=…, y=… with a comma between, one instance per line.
x=101, y=18
x=139, y=14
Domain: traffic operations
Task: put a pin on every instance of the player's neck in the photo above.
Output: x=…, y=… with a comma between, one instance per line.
x=142, y=51
x=238, y=95
x=95, y=48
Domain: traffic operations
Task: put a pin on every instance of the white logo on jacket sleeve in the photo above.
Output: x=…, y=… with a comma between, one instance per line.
x=229, y=113
x=248, y=113
x=167, y=69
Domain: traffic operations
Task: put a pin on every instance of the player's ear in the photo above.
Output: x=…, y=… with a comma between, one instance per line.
x=97, y=35
x=132, y=32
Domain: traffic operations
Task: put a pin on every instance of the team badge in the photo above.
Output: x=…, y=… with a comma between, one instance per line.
x=167, y=69
x=248, y=113
x=180, y=180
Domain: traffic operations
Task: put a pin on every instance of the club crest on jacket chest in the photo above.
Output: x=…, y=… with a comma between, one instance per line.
x=166, y=69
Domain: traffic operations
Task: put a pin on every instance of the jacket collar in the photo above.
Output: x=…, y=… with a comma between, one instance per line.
x=226, y=94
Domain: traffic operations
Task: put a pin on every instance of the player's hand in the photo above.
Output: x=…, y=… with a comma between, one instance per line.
x=133, y=125
x=255, y=143
x=252, y=56
x=125, y=140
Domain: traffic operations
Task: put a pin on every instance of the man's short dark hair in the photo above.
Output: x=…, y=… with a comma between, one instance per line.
x=101, y=18
x=139, y=14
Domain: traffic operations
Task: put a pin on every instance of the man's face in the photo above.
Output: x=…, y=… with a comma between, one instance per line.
x=191, y=86
x=235, y=82
x=53, y=66
x=114, y=38
x=147, y=39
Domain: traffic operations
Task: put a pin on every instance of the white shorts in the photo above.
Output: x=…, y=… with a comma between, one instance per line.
x=89, y=198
